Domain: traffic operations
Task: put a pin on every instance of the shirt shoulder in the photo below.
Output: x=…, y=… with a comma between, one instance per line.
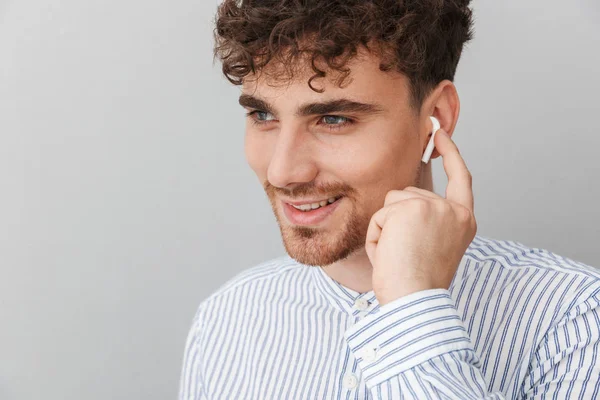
x=247, y=280
x=493, y=260
x=514, y=255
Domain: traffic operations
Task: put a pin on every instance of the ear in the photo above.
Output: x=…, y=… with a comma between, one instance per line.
x=444, y=104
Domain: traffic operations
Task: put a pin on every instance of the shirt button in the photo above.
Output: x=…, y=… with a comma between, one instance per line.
x=350, y=381
x=361, y=304
x=369, y=354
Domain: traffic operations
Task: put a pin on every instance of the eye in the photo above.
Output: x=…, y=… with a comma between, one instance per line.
x=260, y=117
x=334, y=120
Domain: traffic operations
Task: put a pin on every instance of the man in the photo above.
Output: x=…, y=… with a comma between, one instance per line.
x=386, y=291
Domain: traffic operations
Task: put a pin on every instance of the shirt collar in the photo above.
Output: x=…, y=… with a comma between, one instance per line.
x=343, y=298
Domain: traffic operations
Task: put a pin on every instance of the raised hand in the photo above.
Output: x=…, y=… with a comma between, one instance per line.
x=416, y=241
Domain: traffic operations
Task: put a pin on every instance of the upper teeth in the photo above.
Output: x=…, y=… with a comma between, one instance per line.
x=313, y=206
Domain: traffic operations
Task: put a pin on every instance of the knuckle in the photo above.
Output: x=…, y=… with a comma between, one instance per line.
x=465, y=216
x=389, y=196
x=420, y=205
x=446, y=207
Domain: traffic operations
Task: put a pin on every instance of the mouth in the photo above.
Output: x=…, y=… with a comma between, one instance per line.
x=313, y=213
x=306, y=207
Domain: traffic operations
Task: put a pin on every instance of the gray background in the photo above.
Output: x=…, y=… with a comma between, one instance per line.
x=125, y=196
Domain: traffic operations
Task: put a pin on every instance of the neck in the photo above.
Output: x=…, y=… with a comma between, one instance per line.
x=355, y=271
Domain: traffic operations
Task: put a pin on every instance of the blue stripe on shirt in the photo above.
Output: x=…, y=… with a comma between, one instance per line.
x=516, y=323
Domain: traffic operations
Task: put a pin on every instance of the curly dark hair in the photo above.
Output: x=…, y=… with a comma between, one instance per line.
x=423, y=39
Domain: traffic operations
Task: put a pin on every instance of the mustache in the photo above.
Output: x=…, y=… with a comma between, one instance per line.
x=310, y=189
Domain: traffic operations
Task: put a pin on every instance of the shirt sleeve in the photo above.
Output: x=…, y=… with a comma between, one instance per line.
x=190, y=381
x=417, y=347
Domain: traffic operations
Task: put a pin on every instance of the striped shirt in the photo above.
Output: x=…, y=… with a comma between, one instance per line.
x=516, y=323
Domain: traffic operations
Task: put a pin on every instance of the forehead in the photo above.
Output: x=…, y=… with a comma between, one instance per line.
x=280, y=84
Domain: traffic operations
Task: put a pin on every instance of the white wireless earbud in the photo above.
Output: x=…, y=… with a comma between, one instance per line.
x=431, y=145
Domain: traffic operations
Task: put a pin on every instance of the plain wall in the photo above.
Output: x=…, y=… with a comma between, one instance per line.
x=126, y=199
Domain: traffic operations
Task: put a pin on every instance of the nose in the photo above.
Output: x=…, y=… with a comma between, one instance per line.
x=292, y=159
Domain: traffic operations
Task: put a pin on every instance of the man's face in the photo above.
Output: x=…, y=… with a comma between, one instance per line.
x=357, y=142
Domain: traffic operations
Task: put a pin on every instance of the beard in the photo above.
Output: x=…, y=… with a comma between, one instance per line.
x=322, y=246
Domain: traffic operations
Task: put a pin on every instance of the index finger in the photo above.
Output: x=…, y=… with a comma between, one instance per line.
x=460, y=183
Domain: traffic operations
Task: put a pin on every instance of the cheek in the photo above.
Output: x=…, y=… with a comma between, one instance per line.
x=373, y=164
x=257, y=153
x=373, y=169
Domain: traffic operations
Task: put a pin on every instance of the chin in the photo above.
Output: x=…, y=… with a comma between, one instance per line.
x=315, y=247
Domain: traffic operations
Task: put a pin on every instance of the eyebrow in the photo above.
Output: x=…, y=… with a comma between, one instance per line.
x=323, y=108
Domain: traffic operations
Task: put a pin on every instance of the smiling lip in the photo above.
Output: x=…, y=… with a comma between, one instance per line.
x=311, y=217
x=299, y=203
